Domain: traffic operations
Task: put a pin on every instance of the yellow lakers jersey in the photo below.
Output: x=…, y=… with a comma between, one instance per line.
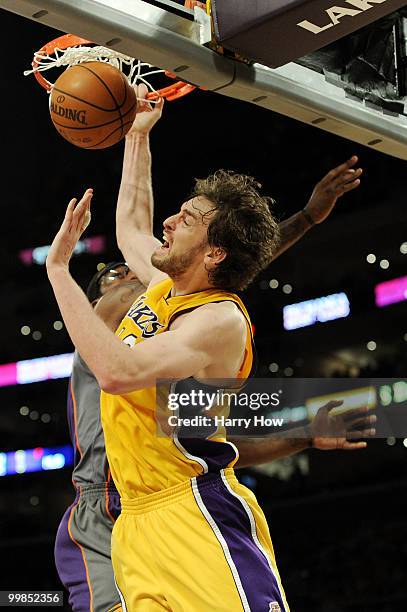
x=142, y=458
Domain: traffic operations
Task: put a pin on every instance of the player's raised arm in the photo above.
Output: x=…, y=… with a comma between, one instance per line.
x=176, y=354
x=336, y=183
x=134, y=215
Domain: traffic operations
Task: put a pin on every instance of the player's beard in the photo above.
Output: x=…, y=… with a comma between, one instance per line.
x=175, y=265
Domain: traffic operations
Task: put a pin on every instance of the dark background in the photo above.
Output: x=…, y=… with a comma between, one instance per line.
x=337, y=519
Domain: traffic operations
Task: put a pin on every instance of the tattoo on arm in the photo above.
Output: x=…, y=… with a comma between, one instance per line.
x=291, y=230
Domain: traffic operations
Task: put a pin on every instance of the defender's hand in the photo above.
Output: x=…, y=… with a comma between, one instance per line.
x=338, y=181
x=147, y=114
x=331, y=432
x=77, y=219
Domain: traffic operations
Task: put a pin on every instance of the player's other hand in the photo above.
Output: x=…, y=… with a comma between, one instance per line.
x=77, y=219
x=338, y=181
x=148, y=113
x=338, y=432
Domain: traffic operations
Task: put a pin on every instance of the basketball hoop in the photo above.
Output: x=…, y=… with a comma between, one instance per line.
x=69, y=50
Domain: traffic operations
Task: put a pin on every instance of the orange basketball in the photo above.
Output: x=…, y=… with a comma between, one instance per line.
x=92, y=105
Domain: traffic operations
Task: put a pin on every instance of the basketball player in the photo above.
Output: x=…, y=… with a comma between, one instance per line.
x=82, y=547
x=190, y=536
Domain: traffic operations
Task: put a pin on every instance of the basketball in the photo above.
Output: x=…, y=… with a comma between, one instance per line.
x=92, y=105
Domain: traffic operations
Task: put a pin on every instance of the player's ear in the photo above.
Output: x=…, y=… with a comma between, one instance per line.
x=214, y=256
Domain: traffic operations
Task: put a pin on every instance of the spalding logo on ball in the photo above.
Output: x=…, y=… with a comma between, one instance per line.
x=92, y=105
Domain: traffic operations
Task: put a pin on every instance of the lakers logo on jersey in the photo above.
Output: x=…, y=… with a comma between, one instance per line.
x=145, y=319
x=274, y=607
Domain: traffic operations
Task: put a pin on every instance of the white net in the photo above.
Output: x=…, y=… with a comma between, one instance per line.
x=135, y=70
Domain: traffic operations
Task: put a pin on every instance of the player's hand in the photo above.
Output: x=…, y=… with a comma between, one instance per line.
x=336, y=432
x=147, y=113
x=77, y=219
x=338, y=181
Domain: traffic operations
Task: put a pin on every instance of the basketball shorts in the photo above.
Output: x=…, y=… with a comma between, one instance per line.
x=200, y=546
x=82, y=549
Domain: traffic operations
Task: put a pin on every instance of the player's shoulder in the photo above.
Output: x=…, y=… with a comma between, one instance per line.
x=223, y=308
x=225, y=316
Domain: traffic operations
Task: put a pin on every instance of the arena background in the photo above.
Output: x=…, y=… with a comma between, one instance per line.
x=337, y=519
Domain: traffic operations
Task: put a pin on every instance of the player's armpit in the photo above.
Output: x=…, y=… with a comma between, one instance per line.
x=202, y=340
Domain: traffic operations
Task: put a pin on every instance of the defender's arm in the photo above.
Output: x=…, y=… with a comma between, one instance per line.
x=327, y=431
x=336, y=183
x=255, y=451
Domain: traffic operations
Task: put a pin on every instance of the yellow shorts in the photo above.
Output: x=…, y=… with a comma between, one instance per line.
x=200, y=546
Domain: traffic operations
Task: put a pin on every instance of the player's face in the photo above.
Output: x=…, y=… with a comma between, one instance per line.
x=115, y=277
x=185, y=238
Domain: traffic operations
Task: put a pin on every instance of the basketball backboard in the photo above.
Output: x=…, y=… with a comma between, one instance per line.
x=167, y=35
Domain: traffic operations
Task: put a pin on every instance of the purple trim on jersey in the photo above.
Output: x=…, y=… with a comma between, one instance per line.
x=196, y=440
x=258, y=581
x=71, y=424
x=217, y=455
x=70, y=565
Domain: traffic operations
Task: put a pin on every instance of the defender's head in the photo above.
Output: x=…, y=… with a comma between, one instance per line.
x=226, y=230
x=111, y=275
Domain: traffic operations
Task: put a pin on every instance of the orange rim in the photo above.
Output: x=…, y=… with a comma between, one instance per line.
x=176, y=90
x=62, y=42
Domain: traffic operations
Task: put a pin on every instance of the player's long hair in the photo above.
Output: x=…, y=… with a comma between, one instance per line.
x=243, y=226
